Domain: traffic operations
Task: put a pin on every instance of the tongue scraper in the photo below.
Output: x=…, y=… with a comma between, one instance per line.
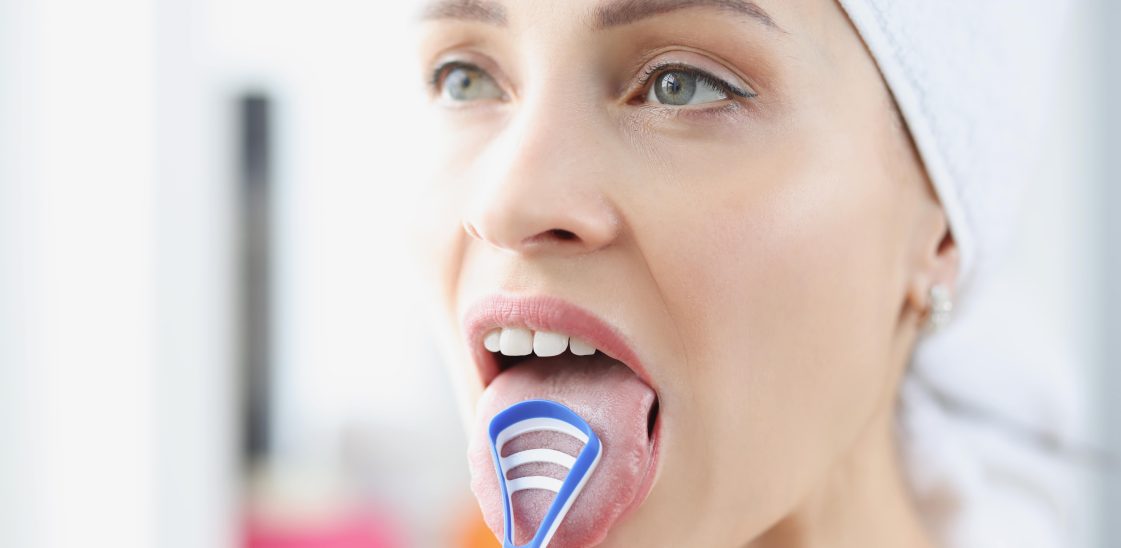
x=535, y=416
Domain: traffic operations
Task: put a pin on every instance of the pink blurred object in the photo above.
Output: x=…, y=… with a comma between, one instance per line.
x=366, y=530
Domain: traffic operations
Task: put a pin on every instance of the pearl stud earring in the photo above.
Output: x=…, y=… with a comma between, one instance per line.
x=941, y=305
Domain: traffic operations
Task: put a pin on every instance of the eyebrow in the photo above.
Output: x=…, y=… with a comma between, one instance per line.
x=482, y=11
x=613, y=14
x=625, y=12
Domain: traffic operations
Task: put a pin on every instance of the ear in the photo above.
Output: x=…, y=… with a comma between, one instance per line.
x=937, y=263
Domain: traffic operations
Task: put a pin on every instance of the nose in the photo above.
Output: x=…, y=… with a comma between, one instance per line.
x=543, y=189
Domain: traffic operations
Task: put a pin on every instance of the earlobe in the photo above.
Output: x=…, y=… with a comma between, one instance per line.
x=934, y=283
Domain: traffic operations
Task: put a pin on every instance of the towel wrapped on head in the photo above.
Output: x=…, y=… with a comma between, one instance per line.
x=987, y=405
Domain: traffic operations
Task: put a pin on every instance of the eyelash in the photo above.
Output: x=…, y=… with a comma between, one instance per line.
x=441, y=71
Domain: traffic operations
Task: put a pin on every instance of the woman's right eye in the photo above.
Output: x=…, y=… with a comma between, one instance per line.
x=461, y=82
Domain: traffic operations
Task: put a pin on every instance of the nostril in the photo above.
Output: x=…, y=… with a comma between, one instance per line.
x=472, y=231
x=563, y=235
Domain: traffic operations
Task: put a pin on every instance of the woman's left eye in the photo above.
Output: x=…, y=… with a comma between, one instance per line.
x=682, y=87
x=685, y=86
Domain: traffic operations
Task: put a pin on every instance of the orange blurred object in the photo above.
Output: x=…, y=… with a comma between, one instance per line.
x=474, y=532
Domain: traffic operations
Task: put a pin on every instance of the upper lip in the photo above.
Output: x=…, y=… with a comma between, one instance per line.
x=543, y=313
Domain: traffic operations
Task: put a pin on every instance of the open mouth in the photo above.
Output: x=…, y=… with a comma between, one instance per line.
x=513, y=346
x=558, y=351
x=542, y=348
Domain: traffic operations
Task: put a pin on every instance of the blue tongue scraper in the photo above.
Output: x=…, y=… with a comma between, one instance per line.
x=535, y=416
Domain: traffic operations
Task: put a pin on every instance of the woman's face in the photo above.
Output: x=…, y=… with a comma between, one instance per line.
x=727, y=188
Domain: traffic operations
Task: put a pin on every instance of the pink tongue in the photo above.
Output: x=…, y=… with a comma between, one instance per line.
x=612, y=400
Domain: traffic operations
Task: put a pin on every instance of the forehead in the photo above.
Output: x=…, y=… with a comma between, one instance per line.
x=817, y=25
x=596, y=14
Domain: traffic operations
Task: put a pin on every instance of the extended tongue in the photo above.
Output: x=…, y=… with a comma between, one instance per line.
x=613, y=402
x=529, y=418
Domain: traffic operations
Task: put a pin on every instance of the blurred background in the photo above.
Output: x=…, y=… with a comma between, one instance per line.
x=209, y=326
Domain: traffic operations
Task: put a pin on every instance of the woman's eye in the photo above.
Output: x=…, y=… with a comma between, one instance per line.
x=461, y=83
x=683, y=87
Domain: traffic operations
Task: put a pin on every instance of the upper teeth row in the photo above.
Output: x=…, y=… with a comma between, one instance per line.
x=518, y=341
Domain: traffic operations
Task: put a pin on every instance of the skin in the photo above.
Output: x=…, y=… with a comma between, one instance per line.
x=770, y=258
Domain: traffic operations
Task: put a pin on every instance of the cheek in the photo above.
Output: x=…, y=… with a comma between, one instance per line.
x=439, y=246
x=438, y=242
x=448, y=187
x=782, y=285
x=779, y=255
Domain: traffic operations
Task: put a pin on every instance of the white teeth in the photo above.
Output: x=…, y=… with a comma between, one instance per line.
x=580, y=348
x=491, y=341
x=516, y=341
x=547, y=344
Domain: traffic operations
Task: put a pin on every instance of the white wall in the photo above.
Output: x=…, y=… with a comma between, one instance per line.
x=1107, y=135
x=353, y=360
x=76, y=291
x=198, y=490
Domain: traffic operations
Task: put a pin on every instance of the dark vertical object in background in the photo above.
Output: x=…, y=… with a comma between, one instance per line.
x=254, y=181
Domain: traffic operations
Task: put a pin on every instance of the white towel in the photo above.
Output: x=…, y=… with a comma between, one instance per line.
x=982, y=413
